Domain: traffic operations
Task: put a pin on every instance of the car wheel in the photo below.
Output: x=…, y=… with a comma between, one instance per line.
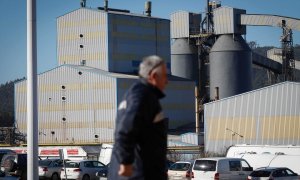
x=8, y=165
x=86, y=177
x=55, y=176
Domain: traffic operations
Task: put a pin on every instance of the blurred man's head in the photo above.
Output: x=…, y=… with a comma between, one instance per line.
x=154, y=70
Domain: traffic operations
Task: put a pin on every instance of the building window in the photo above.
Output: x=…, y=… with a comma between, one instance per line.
x=81, y=46
x=81, y=35
x=83, y=62
x=63, y=98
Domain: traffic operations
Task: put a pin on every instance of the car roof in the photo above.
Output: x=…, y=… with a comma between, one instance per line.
x=269, y=168
x=219, y=158
x=84, y=160
x=49, y=159
x=189, y=161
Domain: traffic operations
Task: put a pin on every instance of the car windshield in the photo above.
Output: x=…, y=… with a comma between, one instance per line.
x=205, y=165
x=72, y=164
x=260, y=173
x=180, y=166
x=44, y=163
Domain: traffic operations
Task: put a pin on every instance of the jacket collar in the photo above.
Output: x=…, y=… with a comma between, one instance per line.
x=157, y=91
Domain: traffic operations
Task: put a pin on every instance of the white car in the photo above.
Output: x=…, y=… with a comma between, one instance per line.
x=50, y=169
x=84, y=169
x=180, y=170
x=221, y=168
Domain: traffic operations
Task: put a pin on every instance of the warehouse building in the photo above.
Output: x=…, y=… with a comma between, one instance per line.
x=267, y=116
x=98, y=55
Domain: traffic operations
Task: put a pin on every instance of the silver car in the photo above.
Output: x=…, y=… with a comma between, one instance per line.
x=50, y=168
x=274, y=173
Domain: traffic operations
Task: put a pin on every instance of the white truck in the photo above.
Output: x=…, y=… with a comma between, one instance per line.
x=268, y=155
x=105, y=153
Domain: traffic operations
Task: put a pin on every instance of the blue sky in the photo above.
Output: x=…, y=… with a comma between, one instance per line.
x=13, y=25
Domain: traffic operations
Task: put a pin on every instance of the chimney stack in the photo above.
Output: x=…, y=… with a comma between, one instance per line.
x=82, y=3
x=105, y=5
x=148, y=8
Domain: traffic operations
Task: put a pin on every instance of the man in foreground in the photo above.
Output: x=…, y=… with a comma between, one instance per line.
x=141, y=129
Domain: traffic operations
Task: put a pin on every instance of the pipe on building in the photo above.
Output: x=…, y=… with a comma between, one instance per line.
x=105, y=5
x=148, y=8
x=83, y=3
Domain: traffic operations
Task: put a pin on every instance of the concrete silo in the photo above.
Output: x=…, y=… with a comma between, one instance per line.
x=184, y=53
x=230, y=66
x=184, y=58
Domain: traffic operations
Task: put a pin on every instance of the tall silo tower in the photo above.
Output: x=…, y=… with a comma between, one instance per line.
x=184, y=53
x=230, y=66
x=230, y=57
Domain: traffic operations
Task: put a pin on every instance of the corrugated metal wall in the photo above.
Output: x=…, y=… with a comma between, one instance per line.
x=76, y=103
x=227, y=21
x=266, y=116
x=74, y=106
x=178, y=108
x=193, y=138
x=180, y=24
x=269, y=20
x=114, y=42
x=179, y=103
x=184, y=23
x=82, y=35
x=131, y=38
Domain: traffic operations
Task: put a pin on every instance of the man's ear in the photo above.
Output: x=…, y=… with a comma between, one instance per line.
x=152, y=78
x=152, y=75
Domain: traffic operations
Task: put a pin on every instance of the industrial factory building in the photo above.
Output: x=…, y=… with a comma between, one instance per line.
x=98, y=55
x=265, y=116
x=110, y=40
x=99, y=51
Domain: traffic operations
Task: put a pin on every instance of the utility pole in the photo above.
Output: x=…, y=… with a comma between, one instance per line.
x=32, y=101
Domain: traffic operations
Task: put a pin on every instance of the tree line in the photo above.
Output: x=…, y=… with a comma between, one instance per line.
x=7, y=103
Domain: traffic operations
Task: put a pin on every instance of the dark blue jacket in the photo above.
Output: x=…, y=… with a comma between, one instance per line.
x=141, y=134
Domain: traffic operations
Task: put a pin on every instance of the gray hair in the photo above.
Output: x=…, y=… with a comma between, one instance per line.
x=148, y=64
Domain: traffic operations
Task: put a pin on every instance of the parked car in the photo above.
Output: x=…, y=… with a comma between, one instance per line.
x=180, y=170
x=5, y=151
x=221, y=168
x=274, y=173
x=102, y=173
x=50, y=168
x=169, y=164
x=84, y=169
x=13, y=164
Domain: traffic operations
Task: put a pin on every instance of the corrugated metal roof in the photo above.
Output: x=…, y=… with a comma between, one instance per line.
x=101, y=72
x=278, y=84
x=115, y=12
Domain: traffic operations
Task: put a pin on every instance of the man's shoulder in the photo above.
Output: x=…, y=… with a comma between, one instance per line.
x=139, y=90
x=138, y=87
